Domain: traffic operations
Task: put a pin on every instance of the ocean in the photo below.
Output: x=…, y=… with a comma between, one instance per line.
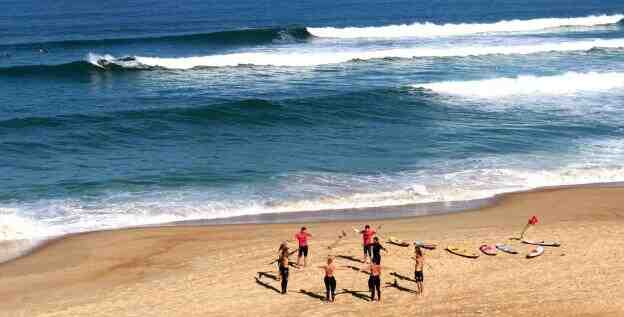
x=128, y=113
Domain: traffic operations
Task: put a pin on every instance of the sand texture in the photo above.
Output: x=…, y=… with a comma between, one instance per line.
x=212, y=270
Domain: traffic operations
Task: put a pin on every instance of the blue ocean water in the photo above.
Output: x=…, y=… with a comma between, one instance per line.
x=137, y=112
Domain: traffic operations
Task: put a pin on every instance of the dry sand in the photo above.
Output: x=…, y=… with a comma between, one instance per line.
x=211, y=270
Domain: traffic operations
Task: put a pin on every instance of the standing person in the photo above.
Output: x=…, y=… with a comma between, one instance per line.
x=329, y=280
x=419, y=262
x=374, y=281
x=302, y=236
x=283, y=266
x=376, y=248
x=367, y=238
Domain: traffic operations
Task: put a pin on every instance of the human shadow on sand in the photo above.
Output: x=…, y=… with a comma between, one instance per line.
x=357, y=294
x=400, y=288
x=266, y=285
x=355, y=268
x=402, y=277
x=312, y=294
x=350, y=258
x=268, y=274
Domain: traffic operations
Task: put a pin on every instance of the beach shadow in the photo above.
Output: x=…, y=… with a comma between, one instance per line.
x=355, y=268
x=402, y=277
x=357, y=294
x=401, y=288
x=350, y=258
x=311, y=294
x=398, y=244
x=266, y=285
x=268, y=274
x=294, y=264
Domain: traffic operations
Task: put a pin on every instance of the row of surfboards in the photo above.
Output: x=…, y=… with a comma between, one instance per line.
x=487, y=249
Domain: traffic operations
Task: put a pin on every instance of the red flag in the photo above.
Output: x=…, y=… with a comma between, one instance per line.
x=533, y=220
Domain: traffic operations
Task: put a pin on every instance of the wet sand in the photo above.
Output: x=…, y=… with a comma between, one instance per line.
x=212, y=270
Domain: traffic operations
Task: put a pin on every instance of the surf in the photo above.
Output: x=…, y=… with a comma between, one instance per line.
x=429, y=29
x=529, y=85
x=303, y=59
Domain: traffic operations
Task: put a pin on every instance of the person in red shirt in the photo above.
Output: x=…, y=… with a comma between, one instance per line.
x=367, y=241
x=302, y=236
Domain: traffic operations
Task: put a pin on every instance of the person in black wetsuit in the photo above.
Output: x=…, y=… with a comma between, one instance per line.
x=376, y=248
x=374, y=281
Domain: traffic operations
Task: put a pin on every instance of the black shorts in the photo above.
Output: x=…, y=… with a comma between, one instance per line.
x=377, y=259
x=303, y=250
x=418, y=276
x=367, y=250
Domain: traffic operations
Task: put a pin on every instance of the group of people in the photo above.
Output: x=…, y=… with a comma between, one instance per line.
x=372, y=251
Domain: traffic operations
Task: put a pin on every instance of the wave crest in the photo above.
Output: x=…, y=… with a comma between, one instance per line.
x=429, y=29
x=568, y=83
x=325, y=58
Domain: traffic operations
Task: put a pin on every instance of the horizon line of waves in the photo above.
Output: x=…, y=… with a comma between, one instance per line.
x=231, y=37
x=96, y=62
x=428, y=29
x=527, y=85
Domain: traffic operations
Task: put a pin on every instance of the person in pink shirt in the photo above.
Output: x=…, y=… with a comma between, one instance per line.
x=367, y=240
x=302, y=236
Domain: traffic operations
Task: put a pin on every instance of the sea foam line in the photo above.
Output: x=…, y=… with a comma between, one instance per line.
x=324, y=58
x=428, y=29
x=568, y=83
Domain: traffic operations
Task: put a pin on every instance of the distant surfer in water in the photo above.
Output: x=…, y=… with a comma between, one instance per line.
x=367, y=239
x=283, y=263
x=374, y=281
x=419, y=262
x=302, y=236
x=376, y=248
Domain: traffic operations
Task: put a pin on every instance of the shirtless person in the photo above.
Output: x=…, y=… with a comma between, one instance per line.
x=302, y=236
x=367, y=239
x=329, y=279
x=283, y=266
x=419, y=262
x=374, y=281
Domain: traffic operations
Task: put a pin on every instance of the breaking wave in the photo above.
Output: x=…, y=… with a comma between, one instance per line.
x=428, y=29
x=324, y=58
x=568, y=83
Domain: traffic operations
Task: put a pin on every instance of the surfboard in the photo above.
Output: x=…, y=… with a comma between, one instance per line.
x=488, y=249
x=539, y=250
x=398, y=242
x=462, y=252
x=424, y=245
x=543, y=243
x=506, y=248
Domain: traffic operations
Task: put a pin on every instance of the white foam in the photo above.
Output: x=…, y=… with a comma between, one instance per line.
x=16, y=227
x=566, y=84
x=323, y=58
x=429, y=29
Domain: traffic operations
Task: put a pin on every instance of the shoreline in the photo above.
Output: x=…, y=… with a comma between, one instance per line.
x=209, y=269
x=318, y=216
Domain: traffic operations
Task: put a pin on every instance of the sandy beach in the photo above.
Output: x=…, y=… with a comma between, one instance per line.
x=212, y=270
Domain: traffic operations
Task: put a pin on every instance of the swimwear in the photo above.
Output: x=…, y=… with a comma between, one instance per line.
x=374, y=284
x=284, y=275
x=418, y=276
x=303, y=251
x=330, y=287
